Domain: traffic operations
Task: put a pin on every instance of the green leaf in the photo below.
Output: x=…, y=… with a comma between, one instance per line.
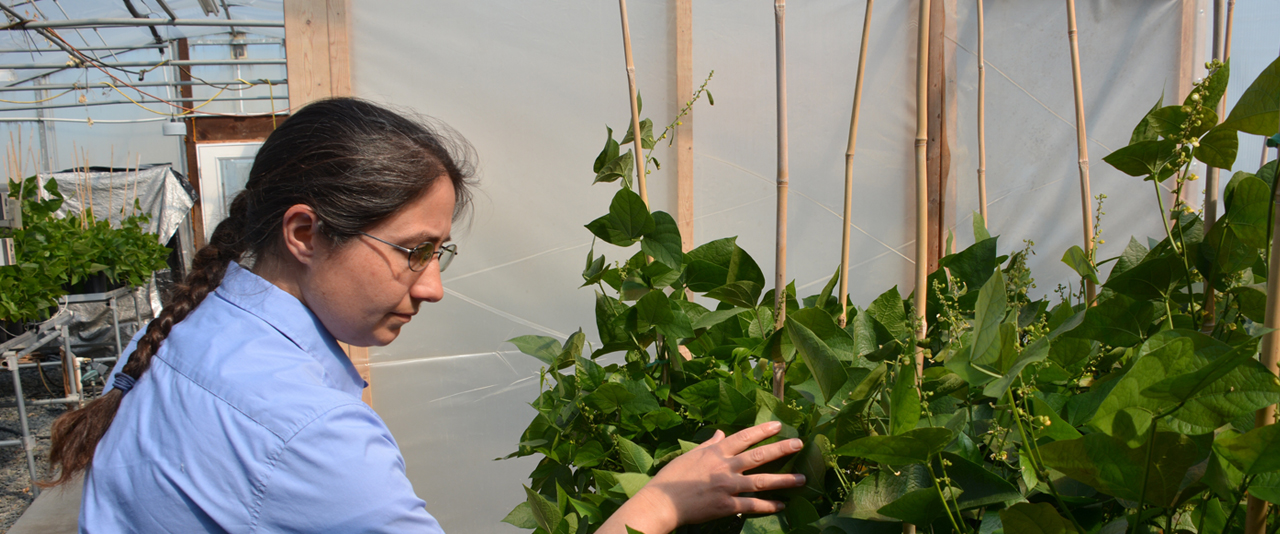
x=1165, y=355
x=980, y=232
x=980, y=486
x=663, y=243
x=1248, y=208
x=1078, y=261
x=545, y=512
x=646, y=134
x=1258, y=108
x=1146, y=128
x=819, y=357
x=1155, y=277
x=1133, y=254
x=1144, y=158
x=1118, y=469
x=1119, y=321
x=628, y=220
x=919, y=507
x=1252, y=301
x=1182, y=388
x=621, y=166
x=609, y=153
x=882, y=487
x=742, y=293
x=633, y=457
x=1037, y=518
x=973, y=266
x=521, y=517
x=711, y=319
x=594, y=270
x=1214, y=86
x=825, y=295
x=1036, y=352
x=763, y=524
x=1218, y=148
x=904, y=401
x=824, y=326
x=1255, y=452
x=914, y=447
x=988, y=314
x=889, y=311
x=543, y=348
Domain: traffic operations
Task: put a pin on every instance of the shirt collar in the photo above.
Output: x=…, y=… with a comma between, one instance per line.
x=294, y=320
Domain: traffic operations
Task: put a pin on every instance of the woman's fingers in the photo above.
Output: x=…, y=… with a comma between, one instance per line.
x=748, y=505
x=743, y=440
x=767, y=481
x=714, y=439
x=759, y=456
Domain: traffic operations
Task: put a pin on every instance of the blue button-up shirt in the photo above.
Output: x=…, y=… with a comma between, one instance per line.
x=249, y=420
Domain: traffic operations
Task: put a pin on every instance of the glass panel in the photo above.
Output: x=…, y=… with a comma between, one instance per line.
x=234, y=172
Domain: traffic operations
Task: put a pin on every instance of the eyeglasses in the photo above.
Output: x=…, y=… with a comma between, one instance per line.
x=421, y=255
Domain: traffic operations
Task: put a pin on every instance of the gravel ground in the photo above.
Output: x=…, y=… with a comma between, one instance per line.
x=15, y=480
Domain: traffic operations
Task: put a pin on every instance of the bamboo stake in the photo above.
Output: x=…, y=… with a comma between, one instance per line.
x=848, y=168
x=635, y=103
x=1256, y=513
x=780, y=276
x=137, y=170
x=922, y=193
x=1221, y=51
x=982, y=119
x=1082, y=140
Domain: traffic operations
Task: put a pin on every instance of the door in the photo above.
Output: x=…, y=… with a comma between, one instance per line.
x=224, y=169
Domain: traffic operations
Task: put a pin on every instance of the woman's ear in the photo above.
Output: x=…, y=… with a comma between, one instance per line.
x=301, y=232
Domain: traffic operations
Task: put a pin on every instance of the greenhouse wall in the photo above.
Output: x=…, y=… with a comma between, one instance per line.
x=532, y=86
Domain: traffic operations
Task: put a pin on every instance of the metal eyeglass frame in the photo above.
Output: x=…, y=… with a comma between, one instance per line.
x=444, y=253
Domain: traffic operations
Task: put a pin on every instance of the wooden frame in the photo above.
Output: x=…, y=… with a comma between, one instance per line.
x=317, y=45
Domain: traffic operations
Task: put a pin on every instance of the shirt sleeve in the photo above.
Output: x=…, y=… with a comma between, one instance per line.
x=342, y=473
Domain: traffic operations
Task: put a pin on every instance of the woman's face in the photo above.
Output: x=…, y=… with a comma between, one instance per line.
x=364, y=291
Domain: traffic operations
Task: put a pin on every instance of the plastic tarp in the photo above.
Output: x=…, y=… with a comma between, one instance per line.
x=161, y=193
x=532, y=86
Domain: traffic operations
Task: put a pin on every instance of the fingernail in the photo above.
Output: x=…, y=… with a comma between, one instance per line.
x=782, y=506
x=796, y=444
x=800, y=479
x=773, y=426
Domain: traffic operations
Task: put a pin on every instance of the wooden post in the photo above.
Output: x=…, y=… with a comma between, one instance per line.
x=1221, y=51
x=1082, y=144
x=780, y=276
x=848, y=167
x=1269, y=353
x=684, y=130
x=318, y=59
x=938, y=152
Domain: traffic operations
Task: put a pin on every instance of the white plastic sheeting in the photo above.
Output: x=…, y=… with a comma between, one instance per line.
x=533, y=84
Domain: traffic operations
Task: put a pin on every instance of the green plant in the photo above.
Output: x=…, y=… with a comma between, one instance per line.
x=1030, y=416
x=56, y=253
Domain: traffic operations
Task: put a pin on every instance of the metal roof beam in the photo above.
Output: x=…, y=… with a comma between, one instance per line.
x=114, y=22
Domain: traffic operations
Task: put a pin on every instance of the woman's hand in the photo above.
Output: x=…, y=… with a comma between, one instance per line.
x=705, y=483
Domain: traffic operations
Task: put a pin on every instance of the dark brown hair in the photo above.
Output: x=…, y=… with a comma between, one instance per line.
x=355, y=163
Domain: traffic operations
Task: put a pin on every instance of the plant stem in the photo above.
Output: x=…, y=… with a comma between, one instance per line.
x=1244, y=485
x=943, y=496
x=1037, y=463
x=1146, y=474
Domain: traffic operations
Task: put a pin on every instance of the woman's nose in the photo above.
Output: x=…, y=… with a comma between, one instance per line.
x=428, y=286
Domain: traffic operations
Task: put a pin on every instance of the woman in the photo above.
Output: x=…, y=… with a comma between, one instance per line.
x=236, y=410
